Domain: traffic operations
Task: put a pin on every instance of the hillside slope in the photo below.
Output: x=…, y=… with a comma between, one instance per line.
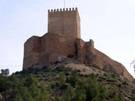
x=66, y=82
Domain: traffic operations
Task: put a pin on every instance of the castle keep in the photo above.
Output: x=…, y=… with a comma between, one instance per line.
x=65, y=22
x=58, y=43
x=62, y=42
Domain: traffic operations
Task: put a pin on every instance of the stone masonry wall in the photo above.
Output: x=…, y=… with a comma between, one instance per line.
x=65, y=22
x=32, y=48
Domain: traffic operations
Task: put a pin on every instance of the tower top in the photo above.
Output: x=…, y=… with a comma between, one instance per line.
x=65, y=21
x=63, y=10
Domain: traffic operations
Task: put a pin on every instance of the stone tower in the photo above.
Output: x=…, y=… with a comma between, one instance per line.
x=59, y=42
x=65, y=22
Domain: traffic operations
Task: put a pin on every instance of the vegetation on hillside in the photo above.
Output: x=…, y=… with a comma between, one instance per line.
x=63, y=84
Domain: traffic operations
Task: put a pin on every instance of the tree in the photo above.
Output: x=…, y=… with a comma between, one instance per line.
x=5, y=72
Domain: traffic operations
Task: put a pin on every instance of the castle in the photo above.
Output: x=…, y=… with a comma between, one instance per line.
x=63, y=42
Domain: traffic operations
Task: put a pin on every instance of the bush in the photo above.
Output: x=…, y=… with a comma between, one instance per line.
x=57, y=85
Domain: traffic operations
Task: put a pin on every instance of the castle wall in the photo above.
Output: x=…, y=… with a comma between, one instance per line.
x=54, y=47
x=46, y=50
x=63, y=30
x=64, y=21
x=32, y=48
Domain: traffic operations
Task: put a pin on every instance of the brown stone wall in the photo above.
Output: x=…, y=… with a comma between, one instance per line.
x=64, y=21
x=80, y=50
x=32, y=48
x=87, y=54
x=85, y=51
x=106, y=63
x=55, y=46
x=48, y=49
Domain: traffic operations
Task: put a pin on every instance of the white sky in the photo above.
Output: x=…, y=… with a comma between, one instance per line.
x=110, y=23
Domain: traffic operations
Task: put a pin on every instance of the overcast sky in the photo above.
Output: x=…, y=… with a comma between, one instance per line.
x=110, y=23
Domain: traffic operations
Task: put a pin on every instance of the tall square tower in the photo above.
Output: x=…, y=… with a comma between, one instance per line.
x=65, y=22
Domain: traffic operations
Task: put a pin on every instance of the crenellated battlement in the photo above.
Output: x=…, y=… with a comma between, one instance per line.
x=63, y=10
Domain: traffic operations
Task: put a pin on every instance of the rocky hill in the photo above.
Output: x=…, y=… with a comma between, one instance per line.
x=66, y=82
